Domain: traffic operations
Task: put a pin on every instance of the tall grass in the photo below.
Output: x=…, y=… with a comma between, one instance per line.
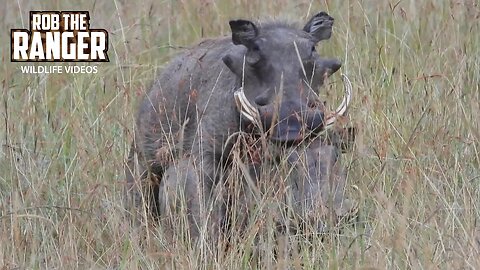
x=414, y=169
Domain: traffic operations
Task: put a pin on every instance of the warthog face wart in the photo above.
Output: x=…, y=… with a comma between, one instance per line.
x=280, y=71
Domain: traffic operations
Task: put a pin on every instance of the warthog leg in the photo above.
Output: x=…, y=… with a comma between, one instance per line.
x=185, y=201
x=141, y=187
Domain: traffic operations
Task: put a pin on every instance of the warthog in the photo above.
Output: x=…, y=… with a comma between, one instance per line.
x=253, y=90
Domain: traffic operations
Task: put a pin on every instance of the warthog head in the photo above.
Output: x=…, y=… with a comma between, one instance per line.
x=280, y=71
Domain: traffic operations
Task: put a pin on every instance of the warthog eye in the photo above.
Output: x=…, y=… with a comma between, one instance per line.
x=308, y=65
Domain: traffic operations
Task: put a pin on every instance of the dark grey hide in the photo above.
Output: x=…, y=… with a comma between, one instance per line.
x=188, y=123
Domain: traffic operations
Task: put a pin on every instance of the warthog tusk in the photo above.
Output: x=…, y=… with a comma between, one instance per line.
x=251, y=113
x=340, y=111
x=245, y=107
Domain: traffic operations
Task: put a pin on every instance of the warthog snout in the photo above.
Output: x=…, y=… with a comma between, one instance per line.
x=291, y=122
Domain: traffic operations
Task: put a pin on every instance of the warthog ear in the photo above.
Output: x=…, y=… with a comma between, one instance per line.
x=243, y=32
x=319, y=26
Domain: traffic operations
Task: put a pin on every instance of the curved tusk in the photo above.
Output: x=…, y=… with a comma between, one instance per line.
x=251, y=113
x=245, y=107
x=340, y=111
